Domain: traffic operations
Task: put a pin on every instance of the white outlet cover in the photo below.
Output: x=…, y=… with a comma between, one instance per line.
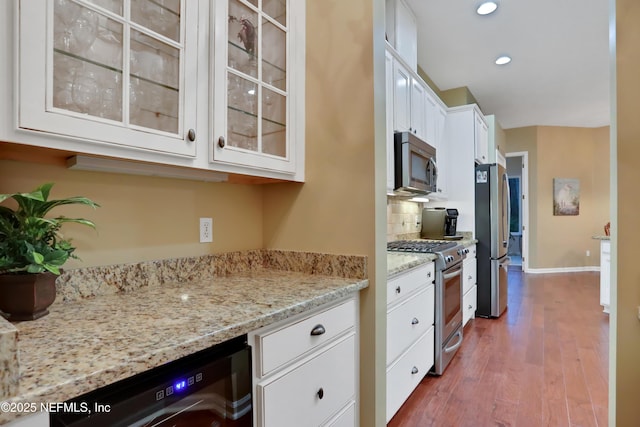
x=206, y=230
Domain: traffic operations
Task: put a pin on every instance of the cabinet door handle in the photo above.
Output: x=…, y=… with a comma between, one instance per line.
x=320, y=393
x=429, y=274
x=318, y=330
x=470, y=307
x=398, y=290
x=221, y=142
x=191, y=134
x=470, y=277
x=414, y=370
x=415, y=321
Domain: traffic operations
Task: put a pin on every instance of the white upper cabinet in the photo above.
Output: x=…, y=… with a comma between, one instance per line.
x=401, y=98
x=406, y=34
x=418, y=109
x=206, y=85
x=258, y=80
x=413, y=107
x=481, y=139
x=110, y=71
x=442, y=152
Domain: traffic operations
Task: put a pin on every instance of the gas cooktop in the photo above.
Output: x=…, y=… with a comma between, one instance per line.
x=448, y=253
x=420, y=246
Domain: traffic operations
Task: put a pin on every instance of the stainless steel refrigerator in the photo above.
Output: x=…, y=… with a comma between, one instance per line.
x=492, y=233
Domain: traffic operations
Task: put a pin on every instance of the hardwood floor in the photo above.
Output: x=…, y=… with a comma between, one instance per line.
x=544, y=362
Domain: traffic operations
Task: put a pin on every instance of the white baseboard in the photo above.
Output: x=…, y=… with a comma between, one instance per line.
x=563, y=270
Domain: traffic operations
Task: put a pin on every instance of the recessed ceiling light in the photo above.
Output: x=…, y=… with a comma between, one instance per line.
x=503, y=60
x=487, y=7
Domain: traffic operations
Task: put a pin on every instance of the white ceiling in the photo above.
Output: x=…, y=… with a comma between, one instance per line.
x=559, y=75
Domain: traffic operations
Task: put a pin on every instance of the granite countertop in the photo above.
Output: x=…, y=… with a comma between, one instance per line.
x=398, y=262
x=601, y=237
x=88, y=343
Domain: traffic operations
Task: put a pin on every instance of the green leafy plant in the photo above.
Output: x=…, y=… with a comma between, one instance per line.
x=31, y=243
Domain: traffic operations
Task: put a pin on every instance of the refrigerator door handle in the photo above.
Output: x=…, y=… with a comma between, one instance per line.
x=506, y=195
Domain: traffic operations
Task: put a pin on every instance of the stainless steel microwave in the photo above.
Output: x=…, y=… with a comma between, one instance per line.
x=415, y=167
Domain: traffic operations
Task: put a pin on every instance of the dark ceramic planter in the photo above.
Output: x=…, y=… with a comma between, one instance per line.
x=26, y=296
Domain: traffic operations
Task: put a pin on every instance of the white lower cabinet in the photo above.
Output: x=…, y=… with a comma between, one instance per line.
x=306, y=368
x=405, y=374
x=469, y=286
x=469, y=304
x=605, y=274
x=408, y=321
x=346, y=418
x=410, y=333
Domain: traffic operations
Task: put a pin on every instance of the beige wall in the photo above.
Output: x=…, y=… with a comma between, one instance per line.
x=563, y=152
x=625, y=230
x=580, y=153
x=341, y=207
x=144, y=218
x=458, y=96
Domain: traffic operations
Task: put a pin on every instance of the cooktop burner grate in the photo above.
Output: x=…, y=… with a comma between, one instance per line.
x=420, y=246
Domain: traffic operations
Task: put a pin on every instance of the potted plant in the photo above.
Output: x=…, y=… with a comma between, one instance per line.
x=32, y=251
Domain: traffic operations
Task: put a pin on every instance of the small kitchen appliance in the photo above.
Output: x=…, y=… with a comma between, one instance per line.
x=414, y=165
x=439, y=223
x=448, y=294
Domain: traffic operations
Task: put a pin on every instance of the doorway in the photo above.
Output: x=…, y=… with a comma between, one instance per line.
x=518, y=173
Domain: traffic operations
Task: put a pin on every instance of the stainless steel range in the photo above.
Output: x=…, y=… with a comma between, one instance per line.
x=448, y=310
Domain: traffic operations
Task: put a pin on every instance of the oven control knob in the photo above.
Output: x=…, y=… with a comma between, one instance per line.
x=466, y=250
x=448, y=258
x=460, y=251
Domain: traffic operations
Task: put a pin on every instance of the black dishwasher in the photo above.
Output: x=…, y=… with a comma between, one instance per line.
x=210, y=388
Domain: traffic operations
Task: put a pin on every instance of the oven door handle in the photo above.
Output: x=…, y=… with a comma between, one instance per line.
x=448, y=276
x=456, y=345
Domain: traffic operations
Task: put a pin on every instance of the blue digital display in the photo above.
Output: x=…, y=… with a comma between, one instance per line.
x=180, y=385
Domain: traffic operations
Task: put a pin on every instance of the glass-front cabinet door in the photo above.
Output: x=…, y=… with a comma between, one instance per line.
x=252, y=70
x=115, y=71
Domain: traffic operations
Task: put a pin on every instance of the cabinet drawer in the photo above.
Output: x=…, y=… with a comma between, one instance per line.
x=405, y=375
x=408, y=321
x=469, y=304
x=406, y=283
x=314, y=391
x=469, y=268
x=347, y=418
x=278, y=347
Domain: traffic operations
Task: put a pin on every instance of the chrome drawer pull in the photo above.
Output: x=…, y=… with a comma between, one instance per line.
x=415, y=321
x=320, y=393
x=414, y=370
x=318, y=330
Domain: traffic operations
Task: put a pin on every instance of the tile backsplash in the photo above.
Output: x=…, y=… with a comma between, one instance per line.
x=403, y=219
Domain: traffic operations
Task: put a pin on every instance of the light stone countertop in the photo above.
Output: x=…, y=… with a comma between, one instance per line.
x=86, y=344
x=601, y=237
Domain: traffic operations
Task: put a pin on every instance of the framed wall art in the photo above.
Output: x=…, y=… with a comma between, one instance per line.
x=566, y=196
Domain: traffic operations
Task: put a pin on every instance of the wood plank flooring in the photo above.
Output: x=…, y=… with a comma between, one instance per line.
x=544, y=362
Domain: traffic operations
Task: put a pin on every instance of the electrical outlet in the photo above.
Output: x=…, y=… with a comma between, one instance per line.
x=588, y=252
x=206, y=230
